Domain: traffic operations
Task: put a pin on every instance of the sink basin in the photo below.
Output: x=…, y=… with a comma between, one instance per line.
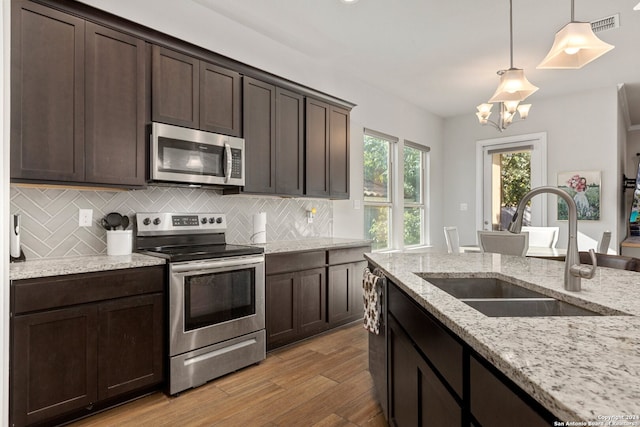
x=499, y=298
x=527, y=307
x=471, y=287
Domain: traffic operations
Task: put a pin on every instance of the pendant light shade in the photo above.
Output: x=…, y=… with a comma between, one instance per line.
x=574, y=46
x=513, y=86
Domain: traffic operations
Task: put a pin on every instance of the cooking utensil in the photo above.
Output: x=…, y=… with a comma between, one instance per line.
x=105, y=224
x=125, y=222
x=114, y=220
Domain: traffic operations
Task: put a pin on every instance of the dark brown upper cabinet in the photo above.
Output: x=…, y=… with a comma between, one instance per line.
x=274, y=139
x=327, y=150
x=220, y=100
x=115, y=107
x=195, y=94
x=259, y=106
x=47, y=94
x=289, y=143
x=77, y=100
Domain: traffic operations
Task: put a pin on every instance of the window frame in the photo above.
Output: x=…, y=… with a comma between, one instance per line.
x=422, y=203
x=391, y=187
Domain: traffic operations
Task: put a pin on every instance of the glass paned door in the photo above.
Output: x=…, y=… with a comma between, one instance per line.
x=510, y=168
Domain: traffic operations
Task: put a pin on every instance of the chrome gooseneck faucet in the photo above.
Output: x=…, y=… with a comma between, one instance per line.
x=573, y=270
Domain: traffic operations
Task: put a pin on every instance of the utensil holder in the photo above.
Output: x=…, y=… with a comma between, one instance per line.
x=119, y=242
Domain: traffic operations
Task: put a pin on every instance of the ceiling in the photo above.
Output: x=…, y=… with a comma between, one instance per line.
x=440, y=55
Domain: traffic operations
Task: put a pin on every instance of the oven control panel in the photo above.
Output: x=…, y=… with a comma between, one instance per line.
x=182, y=223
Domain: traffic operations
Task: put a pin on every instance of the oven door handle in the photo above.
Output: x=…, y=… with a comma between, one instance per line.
x=198, y=266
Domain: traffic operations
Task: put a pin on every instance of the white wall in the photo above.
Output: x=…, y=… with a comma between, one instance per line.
x=582, y=134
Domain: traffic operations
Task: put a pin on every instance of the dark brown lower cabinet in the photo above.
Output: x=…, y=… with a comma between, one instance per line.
x=54, y=363
x=418, y=397
x=295, y=306
x=435, y=379
x=311, y=292
x=100, y=342
x=345, y=292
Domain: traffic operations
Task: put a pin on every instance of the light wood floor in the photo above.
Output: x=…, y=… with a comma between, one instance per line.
x=323, y=381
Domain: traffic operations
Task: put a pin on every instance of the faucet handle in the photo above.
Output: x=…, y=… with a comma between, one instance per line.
x=586, y=271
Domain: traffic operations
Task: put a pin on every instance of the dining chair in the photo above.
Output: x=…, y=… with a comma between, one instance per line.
x=453, y=239
x=603, y=245
x=542, y=237
x=503, y=242
x=611, y=261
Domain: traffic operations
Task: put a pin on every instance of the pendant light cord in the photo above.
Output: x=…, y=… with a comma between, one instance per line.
x=572, y=11
x=511, y=31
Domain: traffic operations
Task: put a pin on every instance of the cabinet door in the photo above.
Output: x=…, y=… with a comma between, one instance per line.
x=493, y=403
x=317, y=148
x=175, y=88
x=130, y=345
x=312, y=301
x=281, y=309
x=220, y=100
x=259, y=104
x=339, y=153
x=290, y=143
x=54, y=363
x=345, y=292
x=115, y=107
x=47, y=94
x=417, y=396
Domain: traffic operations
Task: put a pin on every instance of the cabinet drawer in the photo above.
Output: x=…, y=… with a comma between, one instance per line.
x=288, y=262
x=347, y=255
x=493, y=403
x=60, y=291
x=442, y=350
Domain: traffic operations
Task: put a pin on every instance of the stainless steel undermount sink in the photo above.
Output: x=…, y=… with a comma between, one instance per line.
x=498, y=298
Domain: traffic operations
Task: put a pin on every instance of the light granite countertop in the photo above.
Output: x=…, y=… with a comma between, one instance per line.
x=81, y=264
x=311, y=244
x=579, y=368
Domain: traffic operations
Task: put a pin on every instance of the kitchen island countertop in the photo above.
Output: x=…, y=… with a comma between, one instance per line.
x=46, y=267
x=579, y=368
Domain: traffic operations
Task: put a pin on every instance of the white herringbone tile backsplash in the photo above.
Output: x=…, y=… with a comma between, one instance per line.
x=49, y=217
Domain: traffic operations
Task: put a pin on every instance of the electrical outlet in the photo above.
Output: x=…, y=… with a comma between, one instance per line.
x=464, y=207
x=85, y=217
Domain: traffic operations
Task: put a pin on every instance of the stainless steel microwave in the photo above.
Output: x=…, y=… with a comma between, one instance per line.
x=195, y=157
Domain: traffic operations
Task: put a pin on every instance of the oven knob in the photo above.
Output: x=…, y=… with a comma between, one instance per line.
x=212, y=220
x=146, y=221
x=203, y=220
x=219, y=220
x=156, y=221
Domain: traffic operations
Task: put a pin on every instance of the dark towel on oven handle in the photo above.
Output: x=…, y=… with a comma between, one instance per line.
x=372, y=295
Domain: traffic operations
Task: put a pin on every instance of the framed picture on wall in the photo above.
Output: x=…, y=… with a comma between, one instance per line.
x=584, y=188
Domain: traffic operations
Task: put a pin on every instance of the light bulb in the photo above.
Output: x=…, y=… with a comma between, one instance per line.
x=572, y=50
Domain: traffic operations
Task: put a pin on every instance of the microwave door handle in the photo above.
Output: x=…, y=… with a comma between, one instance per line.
x=229, y=163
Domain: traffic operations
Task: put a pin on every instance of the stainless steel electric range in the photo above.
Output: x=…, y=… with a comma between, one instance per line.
x=215, y=296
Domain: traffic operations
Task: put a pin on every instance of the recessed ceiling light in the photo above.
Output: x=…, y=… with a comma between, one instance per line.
x=637, y=7
x=349, y=1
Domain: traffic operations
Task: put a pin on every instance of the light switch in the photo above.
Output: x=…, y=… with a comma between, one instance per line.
x=464, y=207
x=356, y=204
x=85, y=216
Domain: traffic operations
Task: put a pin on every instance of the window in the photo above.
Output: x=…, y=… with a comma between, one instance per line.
x=394, y=212
x=414, y=206
x=377, y=188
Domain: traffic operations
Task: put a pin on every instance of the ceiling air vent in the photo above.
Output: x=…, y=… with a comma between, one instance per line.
x=607, y=23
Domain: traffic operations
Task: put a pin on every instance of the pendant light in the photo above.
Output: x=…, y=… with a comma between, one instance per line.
x=574, y=46
x=513, y=86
